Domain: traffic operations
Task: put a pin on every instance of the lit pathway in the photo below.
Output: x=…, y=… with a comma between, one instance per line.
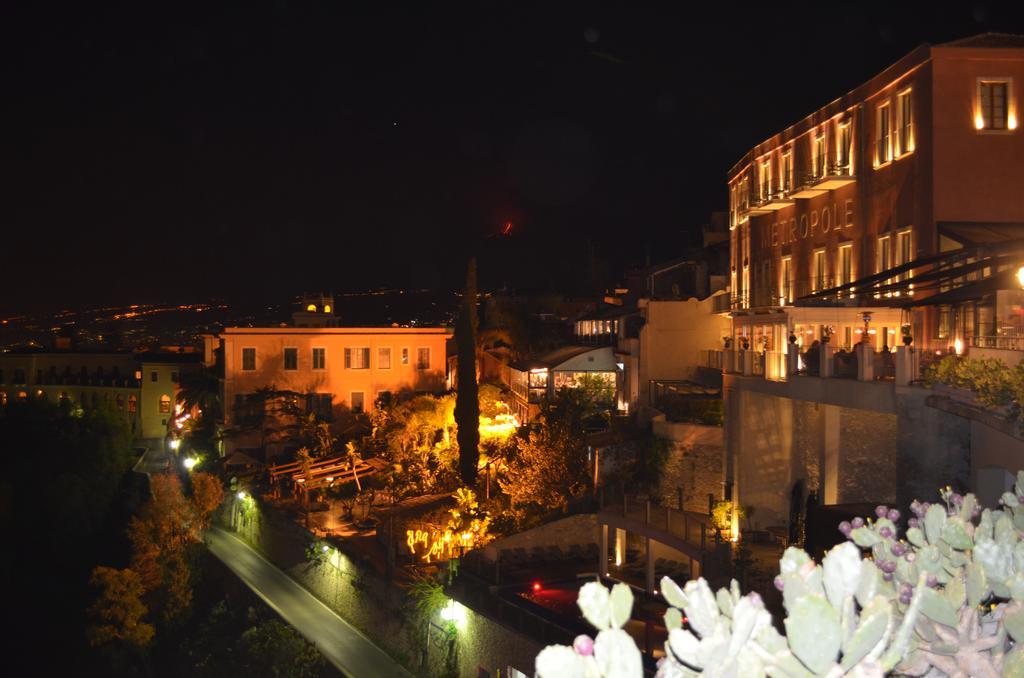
x=337, y=640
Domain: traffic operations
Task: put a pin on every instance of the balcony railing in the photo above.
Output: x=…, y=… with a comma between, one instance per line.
x=1009, y=343
x=771, y=296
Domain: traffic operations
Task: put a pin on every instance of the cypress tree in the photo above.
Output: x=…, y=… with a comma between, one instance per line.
x=467, y=404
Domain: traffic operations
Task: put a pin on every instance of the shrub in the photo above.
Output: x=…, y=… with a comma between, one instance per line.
x=946, y=599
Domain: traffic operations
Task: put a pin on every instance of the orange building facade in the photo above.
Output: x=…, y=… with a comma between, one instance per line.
x=923, y=159
x=326, y=370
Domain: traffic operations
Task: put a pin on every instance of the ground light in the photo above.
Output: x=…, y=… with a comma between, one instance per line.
x=241, y=494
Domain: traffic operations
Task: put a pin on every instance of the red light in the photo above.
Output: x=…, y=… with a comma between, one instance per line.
x=536, y=586
x=507, y=230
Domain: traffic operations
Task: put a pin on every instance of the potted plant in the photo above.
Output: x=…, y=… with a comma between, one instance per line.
x=745, y=343
x=728, y=342
x=908, y=338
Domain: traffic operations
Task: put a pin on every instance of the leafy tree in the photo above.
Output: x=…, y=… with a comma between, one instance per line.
x=118, y=613
x=648, y=462
x=467, y=405
x=273, y=648
x=317, y=436
x=207, y=496
x=163, y=536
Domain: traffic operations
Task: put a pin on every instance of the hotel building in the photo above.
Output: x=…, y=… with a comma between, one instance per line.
x=893, y=214
x=142, y=387
x=321, y=370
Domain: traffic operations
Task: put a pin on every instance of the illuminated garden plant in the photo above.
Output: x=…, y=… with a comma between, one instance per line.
x=944, y=599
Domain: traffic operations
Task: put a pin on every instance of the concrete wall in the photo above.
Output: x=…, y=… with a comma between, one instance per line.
x=934, y=448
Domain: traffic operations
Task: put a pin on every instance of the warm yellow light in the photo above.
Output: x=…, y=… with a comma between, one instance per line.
x=958, y=346
x=190, y=463
x=175, y=444
x=311, y=308
x=1011, y=120
x=327, y=308
x=979, y=121
x=1020, y=276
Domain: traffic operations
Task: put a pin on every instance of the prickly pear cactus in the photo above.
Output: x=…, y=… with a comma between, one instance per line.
x=944, y=599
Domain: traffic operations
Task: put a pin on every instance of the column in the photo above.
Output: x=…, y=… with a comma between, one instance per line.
x=826, y=356
x=620, y=547
x=602, y=550
x=865, y=362
x=829, y=462
x=650, y=566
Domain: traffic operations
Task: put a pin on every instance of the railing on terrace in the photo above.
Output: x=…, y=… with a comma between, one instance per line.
x=1006, y=342
x=696, y=529
x=712, y=359
x=770, y=296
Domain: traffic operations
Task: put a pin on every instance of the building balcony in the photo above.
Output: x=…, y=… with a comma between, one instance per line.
x=823, y=178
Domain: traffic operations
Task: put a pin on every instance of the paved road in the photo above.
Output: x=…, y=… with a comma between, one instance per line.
x=155, y=458
x=337, y=640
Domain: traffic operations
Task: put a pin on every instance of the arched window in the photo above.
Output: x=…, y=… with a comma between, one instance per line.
x=22, y=395
x=165, y=404
x=311, y=308
x=327, y=308
x=3, y=398
x=133, y=404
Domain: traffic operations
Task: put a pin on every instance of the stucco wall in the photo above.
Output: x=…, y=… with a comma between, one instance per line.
x=867, y=454
x=694, y=465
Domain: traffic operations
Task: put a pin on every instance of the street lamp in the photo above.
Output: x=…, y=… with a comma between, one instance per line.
x=175, y=443
x=241, y=494
x=190, y=463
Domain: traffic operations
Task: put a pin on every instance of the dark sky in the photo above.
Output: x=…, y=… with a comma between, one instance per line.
x=165, y=151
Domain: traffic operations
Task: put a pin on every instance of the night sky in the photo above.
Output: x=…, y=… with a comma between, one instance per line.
x=167, y=151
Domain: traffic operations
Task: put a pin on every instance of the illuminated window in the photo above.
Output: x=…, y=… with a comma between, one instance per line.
x=787, y=172
x=845, y=268
x=904, y=123
x=904, y=255
x=818, y=281
x=819, y=155
x=405, y=356
x=843, y=147
x=786, y=284
x=883, y=259
x=133, y=403
x=248, y=359
x=319, y=358
x=311, y=308
x=944, y=322
x=384, y=358
x=883, y=134
x=994, y=112
x=291, y=358
x=165, y=404
x=357, y=358
x=327, y=308
x=766, y=179
x=3, y=398
x=423, y=359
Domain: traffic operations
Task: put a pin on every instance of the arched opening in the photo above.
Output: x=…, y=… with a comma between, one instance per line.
x=311, y=308
x=165, y=404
